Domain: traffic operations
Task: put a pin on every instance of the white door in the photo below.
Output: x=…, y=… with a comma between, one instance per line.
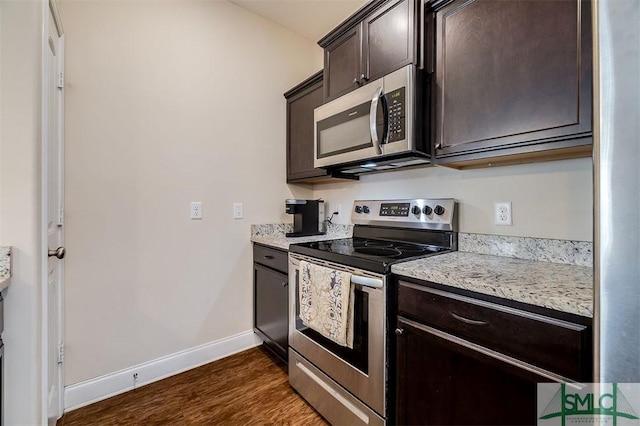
x=53, y=151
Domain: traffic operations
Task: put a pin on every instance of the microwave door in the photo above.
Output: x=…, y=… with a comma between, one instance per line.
x=342, y=127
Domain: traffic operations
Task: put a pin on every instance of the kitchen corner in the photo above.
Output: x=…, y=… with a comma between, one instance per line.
x=5, y=267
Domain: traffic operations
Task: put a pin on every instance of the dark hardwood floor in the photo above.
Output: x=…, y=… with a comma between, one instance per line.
x=249, y=388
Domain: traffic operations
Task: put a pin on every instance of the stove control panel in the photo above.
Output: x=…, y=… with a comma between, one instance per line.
x=426, y=213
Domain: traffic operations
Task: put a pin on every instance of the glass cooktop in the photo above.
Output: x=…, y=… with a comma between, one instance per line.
x=370, y=254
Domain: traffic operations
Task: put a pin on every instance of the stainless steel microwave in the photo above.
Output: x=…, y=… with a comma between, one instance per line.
x=373, y=127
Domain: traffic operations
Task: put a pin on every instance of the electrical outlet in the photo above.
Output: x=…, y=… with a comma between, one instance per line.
x=503, y=213
x=238, y=211
x=135, y=380
x=196, y=210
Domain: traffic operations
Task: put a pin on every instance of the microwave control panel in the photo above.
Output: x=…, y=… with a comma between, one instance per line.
x=397, y=114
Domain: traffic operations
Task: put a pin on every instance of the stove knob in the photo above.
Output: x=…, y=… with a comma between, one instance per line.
x=439, y=210
x=358, y=209
x=366, y=210
x=416, y=210
x=427, y=210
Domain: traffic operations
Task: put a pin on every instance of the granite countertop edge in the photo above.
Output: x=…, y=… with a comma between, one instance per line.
x=560, y=287
x=5, y=266
x=283, y=243
x=273, y=235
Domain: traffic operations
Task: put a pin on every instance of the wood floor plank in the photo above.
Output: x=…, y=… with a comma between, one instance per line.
x=249, y=388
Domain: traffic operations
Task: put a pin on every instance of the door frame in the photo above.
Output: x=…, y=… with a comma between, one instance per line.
x=50, y=6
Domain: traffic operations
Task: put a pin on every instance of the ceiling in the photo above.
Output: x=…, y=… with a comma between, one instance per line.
x=312, y=19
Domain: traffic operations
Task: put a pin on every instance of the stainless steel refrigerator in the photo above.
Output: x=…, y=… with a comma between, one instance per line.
x=617, y=190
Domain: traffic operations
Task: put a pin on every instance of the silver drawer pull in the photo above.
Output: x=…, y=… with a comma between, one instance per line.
x=467, y=320
x=268, y=257
x=366, y=281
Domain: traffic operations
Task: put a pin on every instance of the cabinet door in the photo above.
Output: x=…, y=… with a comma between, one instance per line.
x=444, y=380
x=271, y=308
x=300, y=154
x=342, y=64
x=512, y=74
x=388, y=39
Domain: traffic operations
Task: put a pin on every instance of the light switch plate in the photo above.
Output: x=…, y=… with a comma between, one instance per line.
x=238, y=211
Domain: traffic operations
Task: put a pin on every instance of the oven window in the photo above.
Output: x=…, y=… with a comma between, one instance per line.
x=358, y=356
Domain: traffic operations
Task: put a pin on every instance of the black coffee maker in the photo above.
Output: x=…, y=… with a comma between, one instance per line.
x=308, y=217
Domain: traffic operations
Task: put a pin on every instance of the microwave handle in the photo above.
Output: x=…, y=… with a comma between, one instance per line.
x=372, y=121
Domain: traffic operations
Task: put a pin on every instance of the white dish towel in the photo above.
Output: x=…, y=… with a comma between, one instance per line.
x=326, y=302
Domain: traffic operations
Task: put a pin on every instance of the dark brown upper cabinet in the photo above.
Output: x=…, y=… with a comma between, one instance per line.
x=512, y=81
x=301, y=101
x=376, y=40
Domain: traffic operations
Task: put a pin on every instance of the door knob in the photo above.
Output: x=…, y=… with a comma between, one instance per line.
x=59, y=253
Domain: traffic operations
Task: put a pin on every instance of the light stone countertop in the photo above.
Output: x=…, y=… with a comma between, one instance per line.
x=561, y=287
x=5, y=267
x=273, y=235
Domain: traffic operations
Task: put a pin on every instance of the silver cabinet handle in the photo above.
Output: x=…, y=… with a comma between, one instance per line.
x=467, y=320
x=372, y=120
x=357, y=82
x=59, y=253
x=366, y=281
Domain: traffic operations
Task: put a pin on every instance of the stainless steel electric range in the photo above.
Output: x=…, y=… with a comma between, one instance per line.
x=349, y=385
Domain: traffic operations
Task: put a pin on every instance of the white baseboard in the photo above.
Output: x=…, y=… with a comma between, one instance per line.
x=103, y=387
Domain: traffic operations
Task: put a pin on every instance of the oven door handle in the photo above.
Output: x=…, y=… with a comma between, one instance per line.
x=367, y=281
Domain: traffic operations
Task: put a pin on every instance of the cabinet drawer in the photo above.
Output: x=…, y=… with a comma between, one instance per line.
x=559, y=346
x=273, y=258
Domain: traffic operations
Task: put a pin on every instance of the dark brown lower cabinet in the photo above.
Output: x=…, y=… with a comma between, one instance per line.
x=271, y=299
x=468, y=359
x=443, y=380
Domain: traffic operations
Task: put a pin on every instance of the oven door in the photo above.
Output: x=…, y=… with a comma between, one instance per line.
x=360, y=370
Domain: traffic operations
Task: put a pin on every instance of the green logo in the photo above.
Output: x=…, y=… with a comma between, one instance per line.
x=588, y=401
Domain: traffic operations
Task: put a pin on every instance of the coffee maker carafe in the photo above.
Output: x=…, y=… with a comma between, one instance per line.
x=308, y=217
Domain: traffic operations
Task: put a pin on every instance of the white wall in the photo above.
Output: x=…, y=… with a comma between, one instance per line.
x=549, y=200
x=20, y=115
x=167, y=103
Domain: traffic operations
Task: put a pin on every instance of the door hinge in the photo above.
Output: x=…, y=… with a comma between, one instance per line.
x=60, y=217
x=61, y=79
x=61, y=353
